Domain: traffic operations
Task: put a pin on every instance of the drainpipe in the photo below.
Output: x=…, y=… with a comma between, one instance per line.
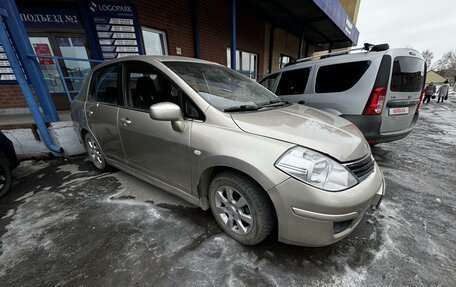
x=195, y=28
x=271, y=49
x=301, y=39
x=20, y=78
x=233, y=34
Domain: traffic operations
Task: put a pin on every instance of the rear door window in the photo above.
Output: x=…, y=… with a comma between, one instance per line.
x=105, y=86
x=293, y=82
x=408, y=74
x=340, y=77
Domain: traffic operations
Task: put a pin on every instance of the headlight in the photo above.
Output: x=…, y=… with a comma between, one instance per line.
x=315, y=169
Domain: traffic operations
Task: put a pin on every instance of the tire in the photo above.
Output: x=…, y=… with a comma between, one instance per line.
x=5, y=176
x=226, y=192
x=95, y=152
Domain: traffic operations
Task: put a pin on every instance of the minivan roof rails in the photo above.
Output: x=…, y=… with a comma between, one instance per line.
x=367, y=47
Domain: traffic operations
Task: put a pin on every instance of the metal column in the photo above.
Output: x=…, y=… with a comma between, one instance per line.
x=233, y=34
x=22, y=81
x=30, y=66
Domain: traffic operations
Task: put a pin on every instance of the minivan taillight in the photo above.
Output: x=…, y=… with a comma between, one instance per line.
x=421, y=98
x=376, y=100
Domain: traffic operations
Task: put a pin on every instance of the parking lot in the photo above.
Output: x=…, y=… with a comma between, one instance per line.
x=64, y=223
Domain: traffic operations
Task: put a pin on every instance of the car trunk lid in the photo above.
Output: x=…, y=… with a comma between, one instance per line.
x=404, y=91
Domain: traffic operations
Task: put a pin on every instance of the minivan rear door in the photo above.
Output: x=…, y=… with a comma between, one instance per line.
x=292, y=85
x=403, y=94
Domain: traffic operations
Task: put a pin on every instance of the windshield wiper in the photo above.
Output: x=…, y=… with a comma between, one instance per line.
x=241, y=108
x=275, y=103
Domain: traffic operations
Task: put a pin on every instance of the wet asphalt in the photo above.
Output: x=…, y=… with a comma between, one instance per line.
x=66, y=224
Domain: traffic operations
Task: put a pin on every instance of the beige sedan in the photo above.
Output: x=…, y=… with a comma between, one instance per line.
x=221, y=141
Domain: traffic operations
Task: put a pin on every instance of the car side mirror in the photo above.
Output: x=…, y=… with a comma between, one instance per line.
x=167, y=111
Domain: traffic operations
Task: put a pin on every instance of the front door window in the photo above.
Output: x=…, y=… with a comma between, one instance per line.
x=147, y=86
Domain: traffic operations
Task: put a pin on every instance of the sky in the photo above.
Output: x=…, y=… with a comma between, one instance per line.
x=420, y=24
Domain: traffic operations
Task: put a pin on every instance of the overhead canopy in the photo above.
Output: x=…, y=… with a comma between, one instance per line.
x=319, y=21
x=432, y=76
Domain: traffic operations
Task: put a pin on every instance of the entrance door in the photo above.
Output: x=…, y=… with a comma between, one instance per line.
x=65, y=45
x=74, y=47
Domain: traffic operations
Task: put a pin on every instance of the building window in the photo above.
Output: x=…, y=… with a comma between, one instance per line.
x=246, y=63
x=284, y=59
x=154, y=41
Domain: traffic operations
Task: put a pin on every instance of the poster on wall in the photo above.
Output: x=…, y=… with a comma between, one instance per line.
x=43, y=49
x=116, y=27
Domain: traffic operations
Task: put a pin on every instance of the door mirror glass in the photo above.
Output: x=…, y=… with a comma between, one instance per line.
x=165, y=111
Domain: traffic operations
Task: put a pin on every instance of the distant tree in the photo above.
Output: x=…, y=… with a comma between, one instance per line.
x=428, y=56
x=446, y=66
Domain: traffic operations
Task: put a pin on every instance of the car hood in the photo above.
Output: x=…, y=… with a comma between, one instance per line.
x=307, y=127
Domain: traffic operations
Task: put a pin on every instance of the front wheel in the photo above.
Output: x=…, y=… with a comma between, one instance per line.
x=241, y=208
x=95, y=152
x=5, y=175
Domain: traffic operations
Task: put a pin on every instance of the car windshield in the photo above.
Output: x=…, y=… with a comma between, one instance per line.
x=223, y=88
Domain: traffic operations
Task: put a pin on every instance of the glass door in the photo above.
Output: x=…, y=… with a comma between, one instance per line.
x=76, y=71
x=72, y=45
x=42, y=46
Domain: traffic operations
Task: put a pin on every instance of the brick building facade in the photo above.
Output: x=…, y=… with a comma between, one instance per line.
x=192, y=28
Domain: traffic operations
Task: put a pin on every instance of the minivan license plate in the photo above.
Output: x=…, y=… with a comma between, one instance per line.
x=399, y=111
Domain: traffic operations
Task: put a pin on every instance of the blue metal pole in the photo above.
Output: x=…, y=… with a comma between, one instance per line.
x=233, y=34
x=31, y=67
x=28, y=95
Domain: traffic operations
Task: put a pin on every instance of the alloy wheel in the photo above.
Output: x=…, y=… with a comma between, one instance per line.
x=3, y=179
x=233, y=210
x=95, y=152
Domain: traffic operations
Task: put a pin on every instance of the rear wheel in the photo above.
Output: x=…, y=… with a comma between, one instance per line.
x=95, y=152
x=241, y=207
x=5, y=176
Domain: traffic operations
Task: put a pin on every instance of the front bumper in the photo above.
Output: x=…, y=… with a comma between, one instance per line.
x=309, y=216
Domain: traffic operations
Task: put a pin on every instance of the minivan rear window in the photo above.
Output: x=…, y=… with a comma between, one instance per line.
x=408, y=74
x=340, y=77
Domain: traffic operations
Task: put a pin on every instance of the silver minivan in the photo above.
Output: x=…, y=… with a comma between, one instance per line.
x=221, y=141
x=378, y=89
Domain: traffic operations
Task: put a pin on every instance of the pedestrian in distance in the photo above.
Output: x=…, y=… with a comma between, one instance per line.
x=443, y=92
x=429, y=91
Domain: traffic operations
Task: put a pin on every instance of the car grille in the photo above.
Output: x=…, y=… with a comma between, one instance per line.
x=361, y=168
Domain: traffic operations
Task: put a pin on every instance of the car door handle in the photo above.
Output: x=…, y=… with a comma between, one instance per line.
x=89, y=113
x=125, y=121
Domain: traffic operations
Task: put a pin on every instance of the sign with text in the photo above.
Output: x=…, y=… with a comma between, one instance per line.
x=50, y=18
x=6, y=72
x=116, y=26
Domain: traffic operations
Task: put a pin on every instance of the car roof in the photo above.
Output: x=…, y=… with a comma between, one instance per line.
x=351, y=57
x=147, y=58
